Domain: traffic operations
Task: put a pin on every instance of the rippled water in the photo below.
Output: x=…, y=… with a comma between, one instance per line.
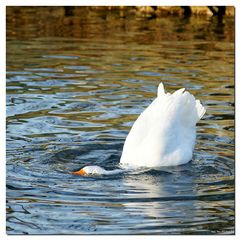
x=76, y=84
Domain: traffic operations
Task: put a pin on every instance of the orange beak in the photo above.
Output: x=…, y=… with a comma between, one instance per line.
x=80, y=172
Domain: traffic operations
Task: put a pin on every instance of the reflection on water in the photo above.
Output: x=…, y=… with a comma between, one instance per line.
x=75, y=85
x=157, y=203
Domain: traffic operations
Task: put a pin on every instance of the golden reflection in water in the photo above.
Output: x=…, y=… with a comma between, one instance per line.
x=80, y=23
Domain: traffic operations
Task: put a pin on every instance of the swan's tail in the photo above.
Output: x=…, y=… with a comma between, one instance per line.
x=200, y=109
x=182, y=103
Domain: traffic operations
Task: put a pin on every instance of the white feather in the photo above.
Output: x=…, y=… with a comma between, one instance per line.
x=164, y=133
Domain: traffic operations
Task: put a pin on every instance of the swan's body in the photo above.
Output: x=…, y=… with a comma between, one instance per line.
x=164, y=134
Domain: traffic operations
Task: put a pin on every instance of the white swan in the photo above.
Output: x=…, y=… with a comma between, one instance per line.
x=163, y=135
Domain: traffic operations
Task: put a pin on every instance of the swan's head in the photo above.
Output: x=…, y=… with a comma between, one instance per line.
x=89, y=170
x=82, y=172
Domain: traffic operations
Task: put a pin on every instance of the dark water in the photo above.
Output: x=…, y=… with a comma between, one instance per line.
x=75, y=85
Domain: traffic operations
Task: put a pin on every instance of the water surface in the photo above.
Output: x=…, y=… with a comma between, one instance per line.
x=75, y=85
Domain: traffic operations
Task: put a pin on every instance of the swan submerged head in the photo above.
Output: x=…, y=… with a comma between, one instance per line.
x=97, y=171
x=81, y=172
x=90, y=170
